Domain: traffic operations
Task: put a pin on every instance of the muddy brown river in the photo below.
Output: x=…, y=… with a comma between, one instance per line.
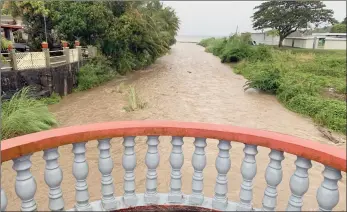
x=185, y=85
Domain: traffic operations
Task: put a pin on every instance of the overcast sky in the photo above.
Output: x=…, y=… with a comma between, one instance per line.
x=220, y=18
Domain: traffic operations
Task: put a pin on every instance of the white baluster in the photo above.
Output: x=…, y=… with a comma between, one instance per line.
x=248, y=171
x=223, y=163
x=25, y=185
x=328, y=192
x=176, y=161
x=3, y=200
x=273, y=178
x=299, y=183
x=80, y=171
x=152, y=162
x=108, y=201
x=129, y=164
x=53, y=178
x=199, y=163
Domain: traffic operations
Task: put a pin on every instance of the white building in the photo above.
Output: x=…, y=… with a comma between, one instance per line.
x=263, y=38
x=318, y=41
x=314, y=41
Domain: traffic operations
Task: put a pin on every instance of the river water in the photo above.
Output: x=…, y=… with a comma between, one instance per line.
x=185, y=85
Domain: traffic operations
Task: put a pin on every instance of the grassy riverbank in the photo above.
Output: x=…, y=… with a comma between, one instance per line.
x=309, y=82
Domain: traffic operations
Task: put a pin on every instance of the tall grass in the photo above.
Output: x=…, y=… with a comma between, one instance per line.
x=52, y=99
x=134, y=102
x=310, y=82
x=23, y=115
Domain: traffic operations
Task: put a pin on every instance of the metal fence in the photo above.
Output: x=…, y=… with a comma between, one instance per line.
x=30, y=60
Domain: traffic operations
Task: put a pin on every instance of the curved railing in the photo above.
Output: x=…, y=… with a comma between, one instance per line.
x=19, y=150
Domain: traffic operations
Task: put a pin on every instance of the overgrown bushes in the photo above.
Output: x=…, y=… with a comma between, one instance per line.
x=95, y=72
x=22, y=115
x=309, y=82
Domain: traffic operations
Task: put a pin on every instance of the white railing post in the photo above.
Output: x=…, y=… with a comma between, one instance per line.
x=273, y=178
x=3, y=200
x=108, y=201
x=299, y=183
x=25, y=185
x=152, y=162
x=223, y=163
x=199, y=163
x=53, y=178
x=129, y=164
x=328, y=192
x=248, y=171
x=176, y=161
x=80, y=171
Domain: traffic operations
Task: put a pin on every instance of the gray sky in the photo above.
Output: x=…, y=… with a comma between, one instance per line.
x=219, y=18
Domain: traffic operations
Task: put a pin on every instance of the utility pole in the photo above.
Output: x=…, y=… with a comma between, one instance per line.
x=237, y=27
x=44, y=20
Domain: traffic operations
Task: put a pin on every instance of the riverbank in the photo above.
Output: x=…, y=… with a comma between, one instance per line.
x=312, y=83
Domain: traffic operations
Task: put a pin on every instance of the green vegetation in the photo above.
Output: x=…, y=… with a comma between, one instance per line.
x=339, y=28
x=310, y=82
x=94, y=73
x=52, y=99
x=5, y=43
x=134, y=102
x=22, y=115
x=287, y=17
x=131, y=34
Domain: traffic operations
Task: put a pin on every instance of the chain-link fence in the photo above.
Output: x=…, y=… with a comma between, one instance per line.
x=30, y=60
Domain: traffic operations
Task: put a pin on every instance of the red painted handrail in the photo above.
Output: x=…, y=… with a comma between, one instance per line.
x=18, y=146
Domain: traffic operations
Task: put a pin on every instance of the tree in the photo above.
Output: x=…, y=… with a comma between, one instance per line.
x=84, y=21
x=289, y=16
x=32, y=13
x=339, y=28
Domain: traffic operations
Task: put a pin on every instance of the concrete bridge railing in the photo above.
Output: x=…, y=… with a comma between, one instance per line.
x=20, y=149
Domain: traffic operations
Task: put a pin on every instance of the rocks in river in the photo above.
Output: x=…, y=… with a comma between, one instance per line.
x=252, y=91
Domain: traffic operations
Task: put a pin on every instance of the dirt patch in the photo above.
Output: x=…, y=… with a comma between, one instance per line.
x=330, y=93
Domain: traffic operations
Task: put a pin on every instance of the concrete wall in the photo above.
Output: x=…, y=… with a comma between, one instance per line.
x=306, y=43
x=60, y=80
x=334, y=43
x=262, y=38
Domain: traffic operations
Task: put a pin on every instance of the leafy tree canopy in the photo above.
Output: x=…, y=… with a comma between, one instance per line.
x=339, y=28
x=288, y=16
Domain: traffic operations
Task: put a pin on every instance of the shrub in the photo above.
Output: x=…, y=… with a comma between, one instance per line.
x=216, y=46
x=235, y=50
x=22, y=115
x=94, y=73
x=263, y=76
x=206, y=42
x=53, y=99
x=262, y=52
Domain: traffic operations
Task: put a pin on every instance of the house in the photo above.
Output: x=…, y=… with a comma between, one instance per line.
x=302, y=40
x=263, y=38
x=9, y=25
x=318, y=41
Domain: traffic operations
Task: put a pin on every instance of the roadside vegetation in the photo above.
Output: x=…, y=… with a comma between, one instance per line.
x=309, y=82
